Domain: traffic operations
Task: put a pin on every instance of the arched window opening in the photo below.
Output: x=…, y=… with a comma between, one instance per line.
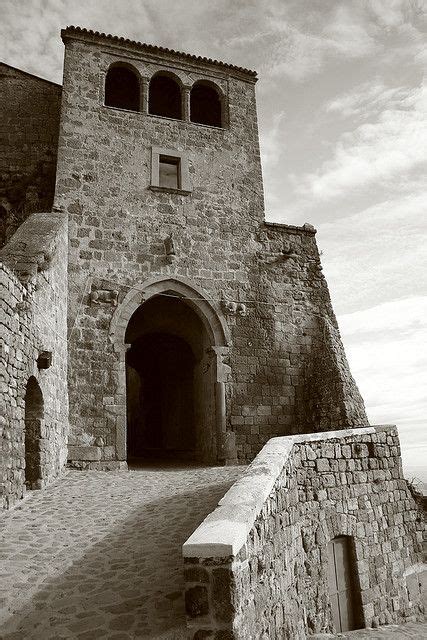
x=34, y=407
x=164, y=97
x=205, y=105
x=344, y=590
x=122, y=88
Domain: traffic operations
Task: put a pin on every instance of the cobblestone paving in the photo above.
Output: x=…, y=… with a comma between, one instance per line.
x=98, y=554
x=413, y=630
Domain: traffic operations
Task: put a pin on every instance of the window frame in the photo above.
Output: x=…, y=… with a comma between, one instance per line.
x=181, y=159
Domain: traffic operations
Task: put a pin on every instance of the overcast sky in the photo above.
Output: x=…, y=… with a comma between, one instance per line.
x=342, y=116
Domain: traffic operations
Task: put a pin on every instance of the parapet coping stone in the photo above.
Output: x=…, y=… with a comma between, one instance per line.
x=225, y=530
x=31, y=75
x=34, y=243
x=414, y=569
x=306, y=228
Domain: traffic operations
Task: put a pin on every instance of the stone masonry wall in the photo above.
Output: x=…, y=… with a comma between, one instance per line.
x=257, y=566
x=33, y=320
x=117, y=233
x=29, y=127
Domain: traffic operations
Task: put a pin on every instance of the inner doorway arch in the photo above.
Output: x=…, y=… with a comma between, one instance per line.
x=171, y=324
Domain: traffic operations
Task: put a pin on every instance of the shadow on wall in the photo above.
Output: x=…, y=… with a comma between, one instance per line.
x=129, y=580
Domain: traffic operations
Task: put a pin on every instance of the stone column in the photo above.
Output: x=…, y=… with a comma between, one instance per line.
x=119, y=408
x=186, y=103
x=226, y=447
x=144, y=95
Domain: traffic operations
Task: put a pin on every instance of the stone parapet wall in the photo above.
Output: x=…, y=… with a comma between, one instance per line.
x=257, y=566
x=33, y=273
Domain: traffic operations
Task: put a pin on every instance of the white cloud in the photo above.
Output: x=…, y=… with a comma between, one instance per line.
x=369, y=99
x=385, y=346
x=394, y=13
x=387, y=317
x=375, y=152
x=377, y=254
x=349, y=33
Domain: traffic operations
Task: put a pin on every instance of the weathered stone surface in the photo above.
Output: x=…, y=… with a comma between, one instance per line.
x=196, y=602
x=285, y=370
x=84, y=453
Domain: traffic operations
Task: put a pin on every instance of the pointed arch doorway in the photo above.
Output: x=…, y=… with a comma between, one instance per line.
x=173, y=347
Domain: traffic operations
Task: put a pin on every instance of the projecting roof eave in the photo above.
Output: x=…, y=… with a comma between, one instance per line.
x=96, y=37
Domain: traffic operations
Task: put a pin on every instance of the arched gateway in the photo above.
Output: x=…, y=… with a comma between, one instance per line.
x=171, y=342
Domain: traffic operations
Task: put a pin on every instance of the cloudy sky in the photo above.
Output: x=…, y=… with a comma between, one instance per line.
x=342, y=115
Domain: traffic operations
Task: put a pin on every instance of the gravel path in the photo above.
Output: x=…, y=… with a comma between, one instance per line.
x=98, y=554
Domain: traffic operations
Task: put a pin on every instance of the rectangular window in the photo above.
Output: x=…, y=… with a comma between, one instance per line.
x=169, y=172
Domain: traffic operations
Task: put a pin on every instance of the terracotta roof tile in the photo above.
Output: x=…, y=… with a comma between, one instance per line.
x=75, y=31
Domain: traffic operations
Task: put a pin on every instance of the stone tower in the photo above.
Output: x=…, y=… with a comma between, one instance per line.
x=197, y=329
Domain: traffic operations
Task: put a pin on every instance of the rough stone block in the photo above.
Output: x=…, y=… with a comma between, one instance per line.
x=196, y=602
x=322, y=465
x=84, y=453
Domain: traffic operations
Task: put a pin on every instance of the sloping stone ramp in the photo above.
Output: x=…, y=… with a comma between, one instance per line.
x=98, y=555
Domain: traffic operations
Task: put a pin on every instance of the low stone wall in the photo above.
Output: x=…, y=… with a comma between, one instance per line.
x=33, y=390
x=257, y=566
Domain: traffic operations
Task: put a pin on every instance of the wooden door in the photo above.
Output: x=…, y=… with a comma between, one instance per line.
x=341, y=579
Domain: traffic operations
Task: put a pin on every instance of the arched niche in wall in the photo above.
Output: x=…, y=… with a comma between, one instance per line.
x=206, y=104
x=34, y=411
x=165, y=96
x=122, y=87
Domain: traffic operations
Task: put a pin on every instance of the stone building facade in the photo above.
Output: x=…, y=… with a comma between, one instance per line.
x=192, y=261
x=148, y=310
x=196, y=329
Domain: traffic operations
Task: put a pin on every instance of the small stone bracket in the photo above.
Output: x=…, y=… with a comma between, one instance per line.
x=170, y=249
x=104, y=296
x=271, y=257
x=288, y=253
x=234, y=308
x=44, y=361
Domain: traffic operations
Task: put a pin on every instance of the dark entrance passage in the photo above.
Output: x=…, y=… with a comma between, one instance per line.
x=169, y=383
x=161, y=406
x=343, y=589
x=33, y=425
